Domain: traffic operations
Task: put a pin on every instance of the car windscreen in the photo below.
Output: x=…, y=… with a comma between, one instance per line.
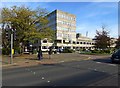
x=117, y=52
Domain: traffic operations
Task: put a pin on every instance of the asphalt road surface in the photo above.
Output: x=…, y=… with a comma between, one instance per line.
x=97, y=72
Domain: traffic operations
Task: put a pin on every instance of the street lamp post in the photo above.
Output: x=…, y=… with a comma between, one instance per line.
x=9, y=28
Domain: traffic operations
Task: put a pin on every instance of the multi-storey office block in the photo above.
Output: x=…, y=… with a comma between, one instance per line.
x=65, y=26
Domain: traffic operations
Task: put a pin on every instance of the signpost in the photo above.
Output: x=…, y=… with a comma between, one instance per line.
x=12, y=50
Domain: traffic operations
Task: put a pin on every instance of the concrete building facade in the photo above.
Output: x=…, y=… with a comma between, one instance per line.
x=65, y=26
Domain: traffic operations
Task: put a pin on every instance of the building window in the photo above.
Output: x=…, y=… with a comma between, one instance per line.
x=59, y=41
x=73, y=42
x=44, y=47
x=70, y=42
x=44, y=41
x=73, y=47
x=63, y=41
x=59, y=35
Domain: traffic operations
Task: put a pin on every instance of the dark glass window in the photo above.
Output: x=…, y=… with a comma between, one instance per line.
x=44, y=41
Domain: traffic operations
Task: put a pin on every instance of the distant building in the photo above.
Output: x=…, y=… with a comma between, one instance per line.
x=84, y=42
x=113, y=42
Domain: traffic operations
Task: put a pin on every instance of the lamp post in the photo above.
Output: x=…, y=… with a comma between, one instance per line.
x=12, y=50
x=9, y=28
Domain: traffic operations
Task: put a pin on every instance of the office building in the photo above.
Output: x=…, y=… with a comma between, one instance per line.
x=65, y=26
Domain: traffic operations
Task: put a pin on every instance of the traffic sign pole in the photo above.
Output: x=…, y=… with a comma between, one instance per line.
x=11, y=60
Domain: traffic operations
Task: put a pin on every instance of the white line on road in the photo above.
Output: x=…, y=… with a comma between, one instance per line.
x=48, y=81
x=34, y=73
x=112, y=64
x=106, y=64
x=94, y=69
x=43, y=78
x=62, y=61
x=98, y=62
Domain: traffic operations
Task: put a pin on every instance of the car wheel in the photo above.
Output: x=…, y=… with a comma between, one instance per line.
x=112, y=61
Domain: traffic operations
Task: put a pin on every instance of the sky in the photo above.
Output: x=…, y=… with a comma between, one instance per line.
x=90, y=16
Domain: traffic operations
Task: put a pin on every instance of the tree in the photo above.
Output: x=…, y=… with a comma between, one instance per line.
x=102, y=39
x=29, y=24
x=118, y=43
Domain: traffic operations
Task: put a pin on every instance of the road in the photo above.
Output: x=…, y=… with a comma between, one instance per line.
x=95, y=72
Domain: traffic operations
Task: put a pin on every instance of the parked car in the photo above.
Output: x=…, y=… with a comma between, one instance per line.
x=116, y=56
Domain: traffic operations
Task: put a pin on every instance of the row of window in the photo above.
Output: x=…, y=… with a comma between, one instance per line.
x=65, y=23
x=88, y=43
x=67, y=36
x=66, y=29
x=66, y=17
x=61, y=22
x=45, y=47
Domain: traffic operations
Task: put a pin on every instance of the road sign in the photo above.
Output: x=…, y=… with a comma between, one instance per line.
x=12, y=51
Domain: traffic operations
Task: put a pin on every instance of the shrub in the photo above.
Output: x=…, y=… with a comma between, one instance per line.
x=16, y=50
x=66, y=50
x=5, y=51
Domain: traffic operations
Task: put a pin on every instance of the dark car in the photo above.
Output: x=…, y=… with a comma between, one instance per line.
x=116, y=56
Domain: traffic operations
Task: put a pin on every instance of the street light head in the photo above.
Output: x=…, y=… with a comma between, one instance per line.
x=7, y=26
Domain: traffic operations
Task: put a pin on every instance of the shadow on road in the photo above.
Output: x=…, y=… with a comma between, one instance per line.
x=105, y=60
x=32, y=58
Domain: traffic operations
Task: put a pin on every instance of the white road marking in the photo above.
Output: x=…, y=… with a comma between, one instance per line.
x=95, y=69
x=106, y=64
x=34, y=73
x=62, y=61
x=112, y=64
x=48, y=81
x=43, y=78
x=98, y=62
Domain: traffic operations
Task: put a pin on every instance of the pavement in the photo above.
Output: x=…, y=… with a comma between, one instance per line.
x=32, y=60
